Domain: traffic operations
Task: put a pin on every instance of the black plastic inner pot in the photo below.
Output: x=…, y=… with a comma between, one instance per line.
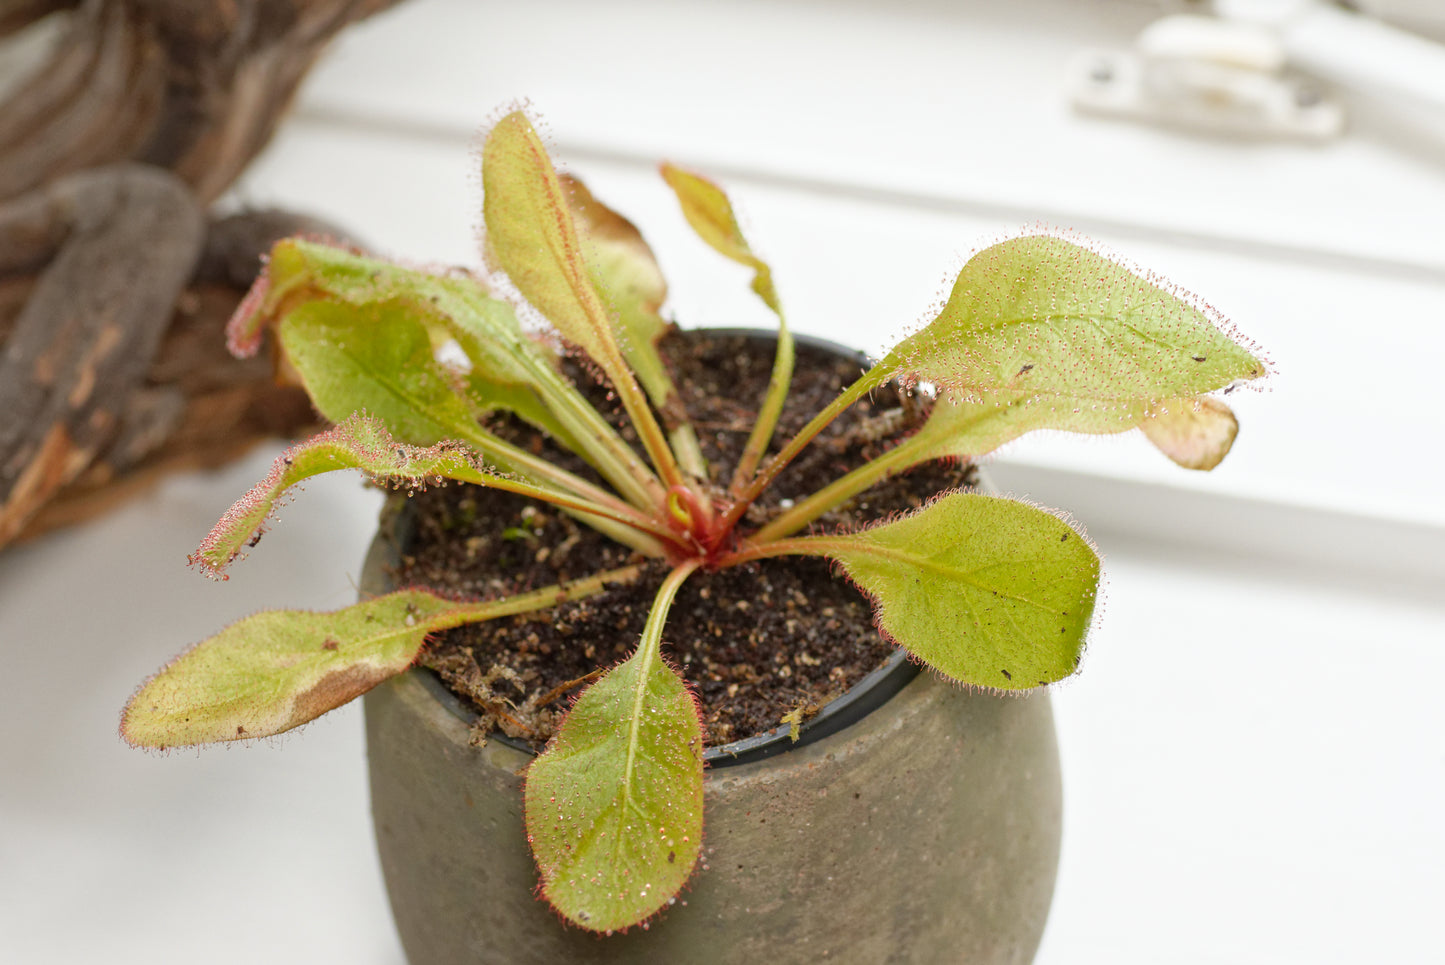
x=866, y=696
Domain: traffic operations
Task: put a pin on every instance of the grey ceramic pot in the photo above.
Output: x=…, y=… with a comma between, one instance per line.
x=927, y=831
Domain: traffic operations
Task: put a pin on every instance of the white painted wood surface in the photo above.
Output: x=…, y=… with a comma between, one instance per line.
x=1253, y=756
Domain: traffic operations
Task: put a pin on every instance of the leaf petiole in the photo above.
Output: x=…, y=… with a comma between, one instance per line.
x=866, y=383
x=895, y=460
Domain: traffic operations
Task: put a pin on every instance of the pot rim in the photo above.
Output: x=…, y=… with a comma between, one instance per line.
x=854, y=704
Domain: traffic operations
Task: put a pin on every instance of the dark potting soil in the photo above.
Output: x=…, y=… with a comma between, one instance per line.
x=756, y=642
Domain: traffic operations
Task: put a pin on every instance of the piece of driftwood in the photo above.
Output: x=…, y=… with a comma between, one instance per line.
x=114, y=288
x=197, y=408
x=193, y=86
x=107, y=385
x=90, y=327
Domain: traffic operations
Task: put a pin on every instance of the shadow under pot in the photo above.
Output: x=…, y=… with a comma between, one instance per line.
x=914, y=821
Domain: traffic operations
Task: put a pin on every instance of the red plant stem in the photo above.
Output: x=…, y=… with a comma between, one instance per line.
x=798, y=546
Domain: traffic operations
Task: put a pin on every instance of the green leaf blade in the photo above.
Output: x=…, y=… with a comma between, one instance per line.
x=614, y=806
x=379, y=361
x=988, y=591
x=277, y=670
x=1041, y=316
x=530, y=236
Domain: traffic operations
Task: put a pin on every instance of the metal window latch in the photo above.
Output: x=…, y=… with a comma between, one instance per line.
x=1208, y=75
x=1258, y=66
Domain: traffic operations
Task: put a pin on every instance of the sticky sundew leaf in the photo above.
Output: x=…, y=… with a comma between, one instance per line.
x=506, y=366
x=530, y=236
x=988, y=591
x=274, y=671
x=1052, y=320
x=277, y=670
x=1195, y=433
x=614, y=806
x=622, y=267
x=359, y=442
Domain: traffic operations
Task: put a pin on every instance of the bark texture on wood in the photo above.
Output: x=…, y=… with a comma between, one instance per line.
x=191, y=405
x=18, y=14
x=89, y=329
x=196, y=408
x=113, y=289
x=193, y=86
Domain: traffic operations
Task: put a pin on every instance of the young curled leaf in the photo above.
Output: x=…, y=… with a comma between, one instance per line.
x=297, y=272
x=711, y=215
x=360, y=442
x=1042, y=316
x=1195, y=433
x=988, y=591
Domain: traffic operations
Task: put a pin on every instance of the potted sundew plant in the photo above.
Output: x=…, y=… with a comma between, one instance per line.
x=419, y=371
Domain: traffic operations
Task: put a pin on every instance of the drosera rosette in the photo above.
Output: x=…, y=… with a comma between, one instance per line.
x=1038, y=333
